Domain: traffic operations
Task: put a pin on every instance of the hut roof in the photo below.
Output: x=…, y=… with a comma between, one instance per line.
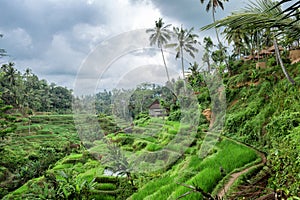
x=155, y=105
x=272, y=48
x=295, y=61
x=264, y=52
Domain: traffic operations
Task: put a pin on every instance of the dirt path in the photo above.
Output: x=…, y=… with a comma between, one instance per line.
x=236, y=175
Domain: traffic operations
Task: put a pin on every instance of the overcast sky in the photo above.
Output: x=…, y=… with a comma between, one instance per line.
x=55, y=37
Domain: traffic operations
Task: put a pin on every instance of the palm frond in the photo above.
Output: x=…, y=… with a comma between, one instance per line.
x=259, y=15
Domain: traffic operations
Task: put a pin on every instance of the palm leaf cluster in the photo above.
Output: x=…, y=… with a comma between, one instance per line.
x=261, y=15
x=184, y=41
x=160, y=34
x=291, y=12
x=213, y=4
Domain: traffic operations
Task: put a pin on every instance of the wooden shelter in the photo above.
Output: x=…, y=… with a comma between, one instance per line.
x=264, y=52
x=155, y=109
x=294, y=55
x=272, y=48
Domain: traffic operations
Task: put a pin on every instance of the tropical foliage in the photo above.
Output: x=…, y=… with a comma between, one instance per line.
x=42, y=156
x=160, y=36
x=185, y=42
x=27, y=93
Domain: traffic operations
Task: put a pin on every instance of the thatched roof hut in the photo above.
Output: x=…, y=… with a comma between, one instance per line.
x=264, y=52
x=272, y=48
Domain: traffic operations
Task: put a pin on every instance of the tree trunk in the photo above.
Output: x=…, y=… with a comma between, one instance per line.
x=208, y=65
x=182, y=65
x=281, y=63
x=162, y=53
x=216, y=29
x=219, y=41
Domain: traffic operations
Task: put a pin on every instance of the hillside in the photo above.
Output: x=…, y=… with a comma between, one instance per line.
x=163, y=113
x=262, y=112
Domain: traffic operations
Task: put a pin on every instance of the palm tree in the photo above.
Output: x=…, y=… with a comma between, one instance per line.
x=235, y=36
x=208, y=45
x=194, y=68
x=281, y=63
x=185, y=41
x=10, y=73
x=213, y=4
x=194, y=79
x=160, y=35
x=260, y=15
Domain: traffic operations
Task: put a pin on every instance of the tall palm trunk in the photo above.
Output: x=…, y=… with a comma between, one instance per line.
x=216, y=29
x=208, y=65
x=219, y=41
x=182, y=66
x=162, y=53
x=281, y=63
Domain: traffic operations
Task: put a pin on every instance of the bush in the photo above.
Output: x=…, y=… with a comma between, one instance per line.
x=235, y=66
x=284, y=163
x=282, y=124
x=271, y=62
x=175, y=116
x=138, y=145
x=143, y=115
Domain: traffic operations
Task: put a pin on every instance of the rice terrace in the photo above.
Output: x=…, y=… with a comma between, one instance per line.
x=218, y=118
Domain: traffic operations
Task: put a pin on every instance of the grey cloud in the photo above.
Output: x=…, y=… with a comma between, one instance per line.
x=54, y=38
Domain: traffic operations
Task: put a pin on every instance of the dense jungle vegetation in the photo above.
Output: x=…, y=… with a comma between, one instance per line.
x=42, y=155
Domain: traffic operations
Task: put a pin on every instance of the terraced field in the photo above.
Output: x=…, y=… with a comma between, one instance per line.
x=84, y=174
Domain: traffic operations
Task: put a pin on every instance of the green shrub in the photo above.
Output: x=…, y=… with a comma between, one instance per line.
x=280, y=126
x=138, y=145
x=143, y=115
x=271, y=62
x=284, y=162
x=175, y=116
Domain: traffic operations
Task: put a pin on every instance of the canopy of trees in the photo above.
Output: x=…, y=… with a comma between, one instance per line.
x=27, y=93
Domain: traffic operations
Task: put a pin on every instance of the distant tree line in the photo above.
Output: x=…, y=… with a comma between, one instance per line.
x=27, y=93
x=129, y=103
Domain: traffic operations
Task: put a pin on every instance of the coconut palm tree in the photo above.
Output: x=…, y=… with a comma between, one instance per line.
x=185, y=41
x=235, y=36
x=160, y=35
x=213, y=5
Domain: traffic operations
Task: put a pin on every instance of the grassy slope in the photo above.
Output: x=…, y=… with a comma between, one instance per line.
x=264, y=111
x=195, y=171
x=189, y=169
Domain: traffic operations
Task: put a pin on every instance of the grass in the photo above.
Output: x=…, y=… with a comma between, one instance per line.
x=152, y=136
x=204, y=173
x=153, y=147
x=46, y=134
